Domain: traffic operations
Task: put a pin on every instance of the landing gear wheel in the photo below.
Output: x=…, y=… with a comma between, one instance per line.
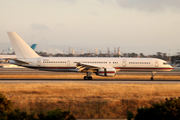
x=85, y=77
x=152, y=75
x=151, y=78
x=89, y=78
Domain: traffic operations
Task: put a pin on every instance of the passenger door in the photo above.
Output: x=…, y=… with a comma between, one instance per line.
x=156, y=63
x=68, y=63
x=124, y=63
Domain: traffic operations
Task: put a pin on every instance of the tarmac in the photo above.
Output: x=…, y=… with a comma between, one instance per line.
x=12, y=71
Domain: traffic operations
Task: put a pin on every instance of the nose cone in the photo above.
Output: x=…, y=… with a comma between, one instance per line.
x=171, y=67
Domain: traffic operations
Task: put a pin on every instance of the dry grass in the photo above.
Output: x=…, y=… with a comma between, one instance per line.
x=80, y=76
x=88, y=100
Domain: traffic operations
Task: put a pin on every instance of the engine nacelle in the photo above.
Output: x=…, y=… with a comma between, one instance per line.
x=110, y=72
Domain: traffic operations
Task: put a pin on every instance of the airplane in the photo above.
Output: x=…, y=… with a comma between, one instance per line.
x=101, y=66
x=3, y=57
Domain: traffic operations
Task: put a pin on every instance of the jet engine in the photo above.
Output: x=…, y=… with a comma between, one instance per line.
x=110, y=72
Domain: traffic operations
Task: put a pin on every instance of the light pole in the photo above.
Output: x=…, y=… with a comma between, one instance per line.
x=169, y=55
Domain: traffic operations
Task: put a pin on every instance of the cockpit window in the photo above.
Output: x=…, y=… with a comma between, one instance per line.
x=165, y=63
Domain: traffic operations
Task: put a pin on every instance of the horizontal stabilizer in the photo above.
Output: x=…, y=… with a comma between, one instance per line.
x=17, y=62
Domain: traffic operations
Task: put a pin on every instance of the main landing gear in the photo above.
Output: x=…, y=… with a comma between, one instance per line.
x=88, y=77
x=152, y=75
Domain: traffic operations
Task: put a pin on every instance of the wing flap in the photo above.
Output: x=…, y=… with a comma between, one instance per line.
x=82, y=66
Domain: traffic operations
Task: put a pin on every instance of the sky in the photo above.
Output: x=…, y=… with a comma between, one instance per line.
x=146, y=26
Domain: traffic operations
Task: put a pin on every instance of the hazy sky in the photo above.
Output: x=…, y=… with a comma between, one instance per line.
x=146, y=26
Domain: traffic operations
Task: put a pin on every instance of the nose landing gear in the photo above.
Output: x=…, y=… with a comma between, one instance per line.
x=152, y=75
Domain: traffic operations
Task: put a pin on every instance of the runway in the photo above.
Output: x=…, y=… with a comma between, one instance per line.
x=24, y=71
x=98, y=81
x=12, y=71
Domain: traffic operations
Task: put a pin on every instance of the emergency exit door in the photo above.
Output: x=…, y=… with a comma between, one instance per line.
x=38, y=62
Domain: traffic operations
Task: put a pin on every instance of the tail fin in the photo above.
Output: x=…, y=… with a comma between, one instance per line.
x=21, y=48
x=33, y=46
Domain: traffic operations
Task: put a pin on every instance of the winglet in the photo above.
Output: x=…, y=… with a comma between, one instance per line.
x=21, y=48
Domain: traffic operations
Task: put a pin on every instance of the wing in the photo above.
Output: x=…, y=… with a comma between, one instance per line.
x=82, y=66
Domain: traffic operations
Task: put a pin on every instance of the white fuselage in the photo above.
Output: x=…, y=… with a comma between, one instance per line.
x=68, y=64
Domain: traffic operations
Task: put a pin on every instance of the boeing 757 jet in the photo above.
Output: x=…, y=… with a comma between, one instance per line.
x=106, y=67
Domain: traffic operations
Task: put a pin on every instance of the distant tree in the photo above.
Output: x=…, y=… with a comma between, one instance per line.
x=19, y=115
x=159, y=55
x=8, y=113
x=44, y=54
x=132, y=54
x=58, y=55
x=125, y=55
x=170, y=110
x=142, y=55
x=5, y=104
x=130, y=115
x=57, y=114
x=5, y=107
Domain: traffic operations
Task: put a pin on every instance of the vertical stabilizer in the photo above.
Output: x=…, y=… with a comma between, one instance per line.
x=33, y=46
x=21, y=48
